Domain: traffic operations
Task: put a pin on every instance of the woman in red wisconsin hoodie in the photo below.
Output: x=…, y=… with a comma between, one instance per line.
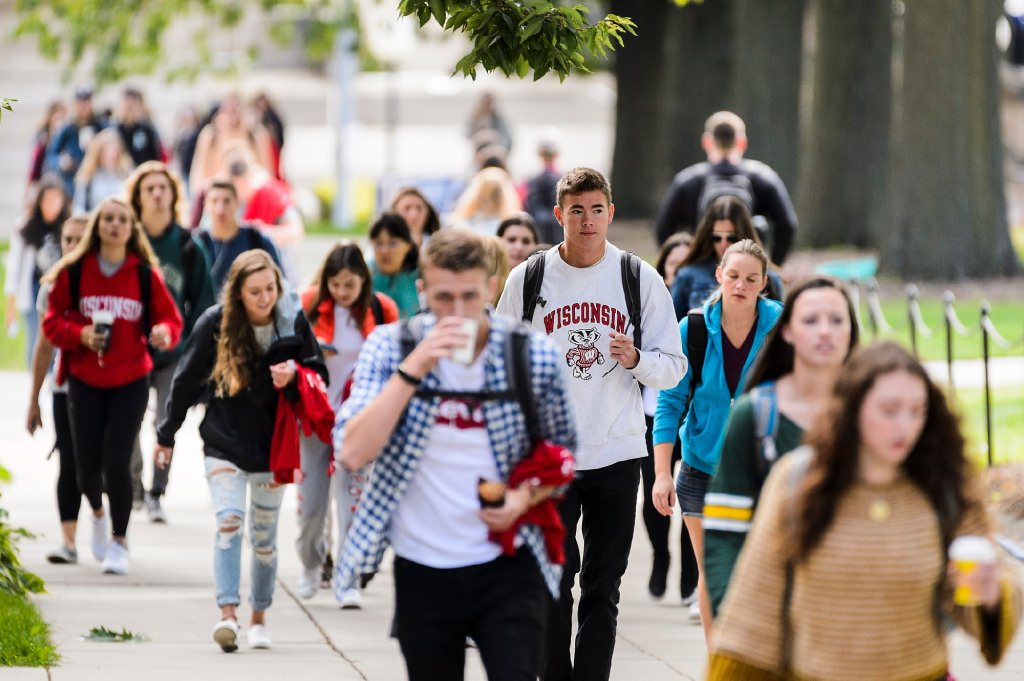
x=98, y=317
x=343, y=310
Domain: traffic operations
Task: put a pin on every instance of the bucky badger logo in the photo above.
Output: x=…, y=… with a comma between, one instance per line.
x=585, y=354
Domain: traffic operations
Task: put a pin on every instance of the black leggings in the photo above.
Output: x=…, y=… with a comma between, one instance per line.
x=105, y=423
x=69, y=496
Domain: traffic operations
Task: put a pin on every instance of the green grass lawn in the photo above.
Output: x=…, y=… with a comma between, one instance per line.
x=1007, y=315
x=24, y=636
x=1007, y=423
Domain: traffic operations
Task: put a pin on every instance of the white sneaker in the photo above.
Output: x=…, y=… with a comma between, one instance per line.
x=690, y=599
x=116, y=560
x=309, y=582
x=100, y=536
x=225, y=633
x=259, y=637
x=351, y=599
x=694, y=612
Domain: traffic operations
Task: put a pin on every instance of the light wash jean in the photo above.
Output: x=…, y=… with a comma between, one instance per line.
x=315, y=492
x=228, y=485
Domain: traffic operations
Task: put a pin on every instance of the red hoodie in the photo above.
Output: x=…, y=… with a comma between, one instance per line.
x=127, y=358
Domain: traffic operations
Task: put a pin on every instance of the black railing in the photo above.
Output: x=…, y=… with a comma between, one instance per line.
x=917, y=328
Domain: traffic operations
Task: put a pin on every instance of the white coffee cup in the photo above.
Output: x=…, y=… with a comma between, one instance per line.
x=463, y=354
x=102, y=321
x=967, y=553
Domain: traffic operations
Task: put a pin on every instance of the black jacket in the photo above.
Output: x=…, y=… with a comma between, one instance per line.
x=239, y=428
x=679, y=207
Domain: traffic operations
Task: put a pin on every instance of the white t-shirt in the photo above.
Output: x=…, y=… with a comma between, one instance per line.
x=436, y=522
x=348, y=339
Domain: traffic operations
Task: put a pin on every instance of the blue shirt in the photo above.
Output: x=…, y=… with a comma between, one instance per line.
x=220, y=254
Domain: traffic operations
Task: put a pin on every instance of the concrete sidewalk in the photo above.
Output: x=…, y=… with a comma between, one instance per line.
x=168, y=595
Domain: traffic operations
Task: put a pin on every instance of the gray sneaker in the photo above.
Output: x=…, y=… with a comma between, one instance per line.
x=155, y=510
x=63, y=556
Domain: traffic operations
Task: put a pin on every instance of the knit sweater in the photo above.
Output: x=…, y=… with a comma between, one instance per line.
x=863, y=602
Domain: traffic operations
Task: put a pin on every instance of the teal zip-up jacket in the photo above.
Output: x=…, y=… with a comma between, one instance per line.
x=704, y=427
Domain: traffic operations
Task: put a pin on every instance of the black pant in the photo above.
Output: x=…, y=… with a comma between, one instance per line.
x=658, y=525
x=69, y=496
x=606, y=500
x=104, y=425
x=500, y=604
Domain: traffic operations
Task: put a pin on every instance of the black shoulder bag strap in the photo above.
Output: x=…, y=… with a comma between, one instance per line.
x=377, y=310
x=630, y=263
x=531, y=285
x=696, y=348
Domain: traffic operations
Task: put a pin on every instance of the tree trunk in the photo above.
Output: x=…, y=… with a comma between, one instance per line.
x=844, y=170
x=700, y=51
x=640, y=160
x=766, y=82
x=950, y=206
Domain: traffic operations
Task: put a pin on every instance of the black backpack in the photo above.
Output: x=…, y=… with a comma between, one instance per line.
x=717, y=184
x=696, y=348
x=145, y=289
x=517, y=367
x=630, y=266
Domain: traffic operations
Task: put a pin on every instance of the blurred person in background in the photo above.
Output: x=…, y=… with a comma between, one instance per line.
x=539, y=191
x=519, y=235
x=67, y=148
x=35, y=248
x=267, y=115
x=186, y=132
x=490, y=198
x=52, y=121
x=228, y=125
x=138, y=134
x=846, y=572
x=395, y=264
x=418, y=212
x=486, y=117
x=103, y=172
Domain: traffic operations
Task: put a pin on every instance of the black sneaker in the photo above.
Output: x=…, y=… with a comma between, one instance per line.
x=659, y=576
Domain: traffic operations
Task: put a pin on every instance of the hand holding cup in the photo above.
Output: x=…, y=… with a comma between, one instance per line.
x=976, y=574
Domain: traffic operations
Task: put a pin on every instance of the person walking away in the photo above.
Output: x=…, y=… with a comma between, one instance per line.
x=720, y=341
x=433, y=404
x=343, y=310
x=34, y=249
x=107, y=302
x=541, y=189
x=728, y=173
x=157, y=197
x=227, y=239
x=583, y=307
x=786, y=390
x=69, y=496
x=242, y=352
x=846, y=571
x=48, y=127
x=66, y=150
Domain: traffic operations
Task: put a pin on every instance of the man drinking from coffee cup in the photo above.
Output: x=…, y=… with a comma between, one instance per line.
x=432, y=397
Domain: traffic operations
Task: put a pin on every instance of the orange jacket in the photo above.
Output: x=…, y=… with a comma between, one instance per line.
x=323, y=328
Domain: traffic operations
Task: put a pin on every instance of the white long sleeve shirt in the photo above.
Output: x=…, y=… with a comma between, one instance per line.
x=582, y=307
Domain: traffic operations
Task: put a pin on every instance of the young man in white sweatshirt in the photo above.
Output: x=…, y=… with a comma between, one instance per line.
x=582, y=308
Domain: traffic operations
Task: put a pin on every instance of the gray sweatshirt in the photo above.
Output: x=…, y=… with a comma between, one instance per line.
x=582, y=307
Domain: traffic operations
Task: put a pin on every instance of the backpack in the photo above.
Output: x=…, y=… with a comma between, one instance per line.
x=630, y=266
x=255, y=242
x=517, y=367
x=377, y=310
x=145, y=289
x=717, y=184
x=696, y=348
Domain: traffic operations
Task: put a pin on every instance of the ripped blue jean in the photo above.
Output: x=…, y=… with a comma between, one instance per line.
x=228, y=485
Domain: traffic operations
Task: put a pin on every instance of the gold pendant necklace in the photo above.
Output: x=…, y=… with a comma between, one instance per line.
x=879, y=510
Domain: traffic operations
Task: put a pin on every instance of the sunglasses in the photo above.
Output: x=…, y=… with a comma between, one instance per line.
x=722, y=238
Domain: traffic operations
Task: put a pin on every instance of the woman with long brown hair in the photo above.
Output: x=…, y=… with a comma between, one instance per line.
x=239, y=355
x=846, y=571
x=107, y=302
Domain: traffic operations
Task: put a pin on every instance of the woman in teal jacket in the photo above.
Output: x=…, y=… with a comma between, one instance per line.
x=737, y=319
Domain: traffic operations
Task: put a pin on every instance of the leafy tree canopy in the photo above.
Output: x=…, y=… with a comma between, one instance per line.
x=126, y=37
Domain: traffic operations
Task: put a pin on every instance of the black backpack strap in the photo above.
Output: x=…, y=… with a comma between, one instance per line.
x=189, y=253
x=145, y=273
x=531, y=285
x=696, y=347
x=630, y=263
x=75, y=283
x=378, y=310
x=406, y=340
x=255, y=242
x=517, y=366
